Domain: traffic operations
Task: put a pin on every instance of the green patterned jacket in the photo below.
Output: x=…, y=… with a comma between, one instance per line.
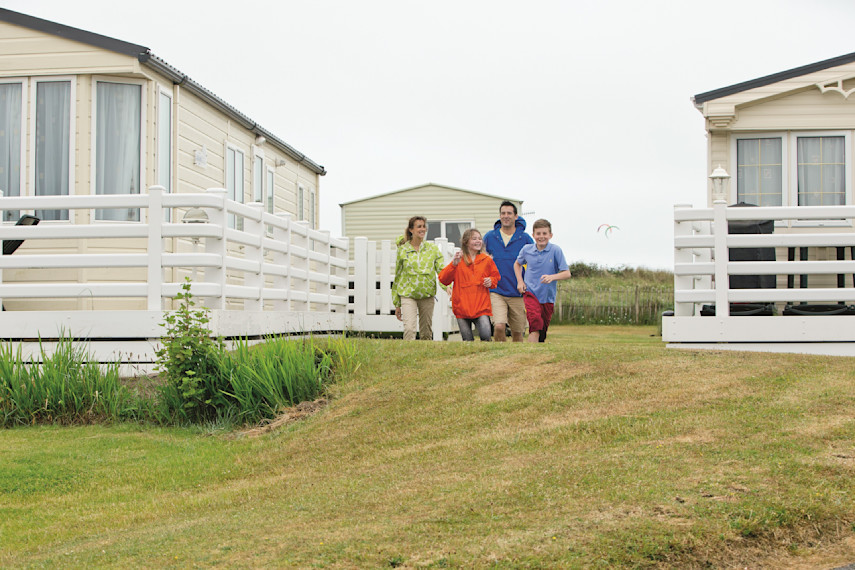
x=416, y=271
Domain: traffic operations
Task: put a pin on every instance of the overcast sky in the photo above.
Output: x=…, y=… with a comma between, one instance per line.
x=581, y=109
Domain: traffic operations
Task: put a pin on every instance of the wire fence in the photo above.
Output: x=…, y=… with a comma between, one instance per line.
x=634, y=305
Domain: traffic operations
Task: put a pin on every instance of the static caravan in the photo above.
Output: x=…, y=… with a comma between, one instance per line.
x=449, y=212
x=784, y=144
x=88, y=115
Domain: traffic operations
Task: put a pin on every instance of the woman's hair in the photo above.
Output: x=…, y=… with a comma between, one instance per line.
x=464, y=244
x=408, y=233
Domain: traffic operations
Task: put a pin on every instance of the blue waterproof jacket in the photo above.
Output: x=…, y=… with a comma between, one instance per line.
x=504, y=257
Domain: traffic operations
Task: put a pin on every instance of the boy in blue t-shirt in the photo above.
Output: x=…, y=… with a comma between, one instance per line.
x=544, y=265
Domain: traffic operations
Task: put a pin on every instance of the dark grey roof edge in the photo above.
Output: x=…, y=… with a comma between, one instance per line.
x=70, y=33
x=701, y=98
x=144, y=55
x=184, y=81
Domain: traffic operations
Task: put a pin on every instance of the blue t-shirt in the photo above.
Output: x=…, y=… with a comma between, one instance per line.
x=548, y=261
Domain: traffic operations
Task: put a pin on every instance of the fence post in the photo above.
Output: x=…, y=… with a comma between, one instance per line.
x=155, y=248
x=440, y=309
x=682, y=256
x=284, y=259
x=386, y=267
x=371, y=278
x=219, y=246
x=303, y=240
x=637, y=315
x=329, y=268
x=722, y=284
x=256, y=255
x=2, y=215
x=360, y=274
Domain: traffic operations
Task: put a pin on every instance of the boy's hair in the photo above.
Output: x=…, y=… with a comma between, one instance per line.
x=508, y=203
x=541, y=223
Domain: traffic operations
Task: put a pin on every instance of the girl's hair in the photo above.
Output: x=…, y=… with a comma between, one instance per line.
x=464, y=244
x=408, y=233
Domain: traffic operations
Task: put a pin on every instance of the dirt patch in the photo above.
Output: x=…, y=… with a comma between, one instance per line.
x=288, y=416
x=145, y=385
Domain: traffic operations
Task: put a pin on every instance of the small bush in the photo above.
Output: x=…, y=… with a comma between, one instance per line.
x=188, y=360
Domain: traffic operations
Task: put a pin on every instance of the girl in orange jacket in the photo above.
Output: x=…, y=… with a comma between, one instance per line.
x=473, y=274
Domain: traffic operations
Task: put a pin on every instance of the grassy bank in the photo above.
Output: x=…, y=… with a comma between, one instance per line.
x=597, y=449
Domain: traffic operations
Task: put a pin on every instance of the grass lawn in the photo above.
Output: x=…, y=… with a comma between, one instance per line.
x=599, y=448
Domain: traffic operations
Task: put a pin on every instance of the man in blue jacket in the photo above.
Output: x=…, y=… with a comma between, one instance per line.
x=504, y=243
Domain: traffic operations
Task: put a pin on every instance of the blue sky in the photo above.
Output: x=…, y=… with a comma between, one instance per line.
x=581, y=109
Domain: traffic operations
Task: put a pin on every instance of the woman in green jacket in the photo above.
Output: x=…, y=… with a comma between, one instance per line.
x=416, y=266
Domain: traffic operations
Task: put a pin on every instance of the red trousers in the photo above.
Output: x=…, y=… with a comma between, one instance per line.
x=538, y=314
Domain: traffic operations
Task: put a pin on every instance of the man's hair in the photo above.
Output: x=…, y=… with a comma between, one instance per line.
x=508, y=203
x=541, y=223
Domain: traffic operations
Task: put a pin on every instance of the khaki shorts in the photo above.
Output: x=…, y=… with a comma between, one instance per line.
x=509, y=310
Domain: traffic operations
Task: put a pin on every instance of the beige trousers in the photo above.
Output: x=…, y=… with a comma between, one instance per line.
x=417, y=314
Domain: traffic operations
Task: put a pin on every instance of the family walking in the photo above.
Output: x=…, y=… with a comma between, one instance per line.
x=504, y=274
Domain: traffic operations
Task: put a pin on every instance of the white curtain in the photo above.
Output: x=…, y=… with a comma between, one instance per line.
x=117, y=143
x=10, y=144
x=53, y=125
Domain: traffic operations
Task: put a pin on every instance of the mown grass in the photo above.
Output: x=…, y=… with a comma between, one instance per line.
x=597, y=449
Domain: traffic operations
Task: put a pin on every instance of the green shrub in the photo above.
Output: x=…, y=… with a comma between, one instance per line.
x=188, y=360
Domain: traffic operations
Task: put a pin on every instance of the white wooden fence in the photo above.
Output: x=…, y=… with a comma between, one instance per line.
x=260, y=274
x=702, y=270
x=373, y=271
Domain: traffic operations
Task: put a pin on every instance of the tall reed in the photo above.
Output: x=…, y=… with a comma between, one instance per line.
x=65, y=387
x=263, y=379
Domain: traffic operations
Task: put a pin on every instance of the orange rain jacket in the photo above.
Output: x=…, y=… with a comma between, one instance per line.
x=469, y=298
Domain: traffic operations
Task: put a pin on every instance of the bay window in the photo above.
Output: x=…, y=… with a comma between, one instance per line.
x=118, y=145
x=11, y=129
x=52, y=146
x=793, y=169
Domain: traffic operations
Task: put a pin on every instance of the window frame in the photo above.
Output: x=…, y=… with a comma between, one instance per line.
x=258, y=167
x=733, y=196
x=301, y=199
x=847, y=157
x=72, y=129
x=443, y=233
x=233, y=221
x=143, y=85
x=23, y=188
x=313, y=208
